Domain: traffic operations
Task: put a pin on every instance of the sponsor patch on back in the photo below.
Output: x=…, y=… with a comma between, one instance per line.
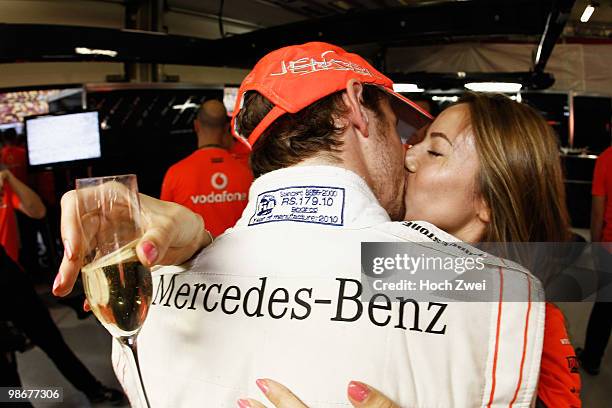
x=310, y=204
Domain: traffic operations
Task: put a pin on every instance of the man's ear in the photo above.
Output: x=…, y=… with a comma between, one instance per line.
x=196, y=125
x=353, y=99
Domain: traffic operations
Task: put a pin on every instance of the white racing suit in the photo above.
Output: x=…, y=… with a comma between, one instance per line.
x=271, y=298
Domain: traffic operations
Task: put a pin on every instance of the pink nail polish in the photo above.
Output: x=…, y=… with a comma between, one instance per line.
x=358, y=391
x=57, y=281
x=150, y=252
x=263, y=385
x=242, y=403
x=68, y=250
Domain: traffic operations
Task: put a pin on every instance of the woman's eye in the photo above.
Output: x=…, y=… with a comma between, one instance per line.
x=434, y=153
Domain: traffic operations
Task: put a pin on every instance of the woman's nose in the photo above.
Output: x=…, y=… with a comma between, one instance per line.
x=410, y=161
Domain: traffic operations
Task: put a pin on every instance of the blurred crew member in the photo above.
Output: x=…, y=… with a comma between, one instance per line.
x=14, y=195
x=600, y=322
x=211, y=181
x=13, y=156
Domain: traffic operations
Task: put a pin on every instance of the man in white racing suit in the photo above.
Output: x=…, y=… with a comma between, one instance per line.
x=282, y=295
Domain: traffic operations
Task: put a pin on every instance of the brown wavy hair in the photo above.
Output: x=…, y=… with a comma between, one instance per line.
x=520, y=176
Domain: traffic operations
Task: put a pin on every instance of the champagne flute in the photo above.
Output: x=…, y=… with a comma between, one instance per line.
x=117, y=285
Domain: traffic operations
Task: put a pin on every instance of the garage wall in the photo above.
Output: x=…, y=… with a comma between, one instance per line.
x=576, y=67
x=96, y=13
x=68, y=12
x=47, y=73
x=206, y=75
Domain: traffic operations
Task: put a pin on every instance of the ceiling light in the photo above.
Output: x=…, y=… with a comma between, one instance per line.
x=187, y=105
x=517, y=98
x=503, y=87
x=407, y=88
x=89, y=51
x=445, y=98
x=588, y=11
x=342, y=4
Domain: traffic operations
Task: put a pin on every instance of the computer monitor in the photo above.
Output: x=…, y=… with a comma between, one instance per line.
x=62, y=138
x=230, y=93
x=18, y=126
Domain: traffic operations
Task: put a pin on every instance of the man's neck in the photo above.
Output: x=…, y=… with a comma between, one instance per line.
x=326, y=161
x=210, y=145
x=206, y=142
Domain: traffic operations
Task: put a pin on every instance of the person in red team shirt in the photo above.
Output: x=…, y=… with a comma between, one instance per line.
x=211, y=181
x=600, y=321
x=14, y=158
x=13, y=155
x=14, y=195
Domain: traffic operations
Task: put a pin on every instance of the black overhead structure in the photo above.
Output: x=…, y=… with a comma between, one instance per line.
x=144, y=15
x=555, y=22
x=430, y=22
x=420, y=23
x=53, y=43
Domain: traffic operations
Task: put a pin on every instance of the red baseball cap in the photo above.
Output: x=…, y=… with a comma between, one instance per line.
x=294, y=77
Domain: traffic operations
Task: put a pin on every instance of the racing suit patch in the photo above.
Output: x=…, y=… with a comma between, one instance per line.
x=310, y=204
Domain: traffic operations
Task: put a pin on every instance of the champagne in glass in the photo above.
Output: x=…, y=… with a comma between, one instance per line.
x=117, y=285
x=118, y=288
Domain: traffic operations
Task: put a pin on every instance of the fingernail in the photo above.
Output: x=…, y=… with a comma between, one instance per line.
x=242, y=403
x=57, y=282
x=68, y=250
x=86, y=307
x=263, y=385
x=150, y=252
x=358, y=391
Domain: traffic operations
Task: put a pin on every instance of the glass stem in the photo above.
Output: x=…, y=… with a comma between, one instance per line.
x=130, y=343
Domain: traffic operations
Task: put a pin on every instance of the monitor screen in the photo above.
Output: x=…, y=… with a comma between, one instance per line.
x=63, y=138
x=230, y=94
x=18, y=126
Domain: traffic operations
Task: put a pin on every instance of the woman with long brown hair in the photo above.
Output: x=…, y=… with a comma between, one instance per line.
x=500, y=159
x=488, y=170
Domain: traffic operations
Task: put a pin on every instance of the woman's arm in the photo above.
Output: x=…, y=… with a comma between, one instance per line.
x=29, y=202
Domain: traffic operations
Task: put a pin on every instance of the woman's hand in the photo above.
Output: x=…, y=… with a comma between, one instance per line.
x=172, y=235
x=359, y=394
